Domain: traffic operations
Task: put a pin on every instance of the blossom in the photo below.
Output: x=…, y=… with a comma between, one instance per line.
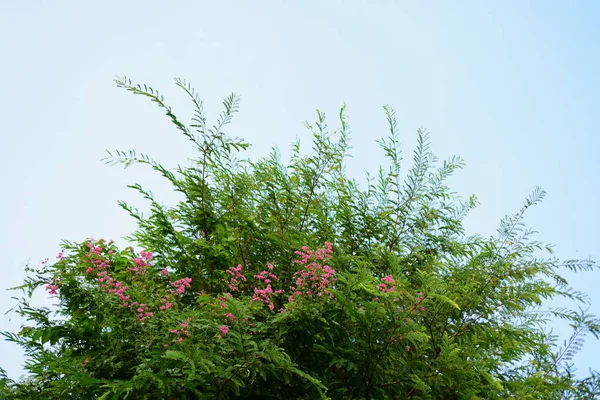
x=314, y=279
x=223, y=299
x=143, y=312
x=229, y=316
x=235, y=277
x=180, y=285
x=52, y=289
x=264, y=295
x=185, y=324
x=223, y=330
x=388, y=285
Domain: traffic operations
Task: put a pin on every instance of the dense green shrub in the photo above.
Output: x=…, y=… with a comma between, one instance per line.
x=289, y=281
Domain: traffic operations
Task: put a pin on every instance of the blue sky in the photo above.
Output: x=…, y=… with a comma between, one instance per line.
x=510, y=86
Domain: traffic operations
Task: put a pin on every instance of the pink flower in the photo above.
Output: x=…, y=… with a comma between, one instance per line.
x=235, y=277
x=180, y=285
x=61, y=255
x=407, y=348
x=315, y=279
x=164, y=271
x=230, y=316
x=388, y=284
x=223, y=330
x=52, y=289
x=264, y=296
x=185, y=324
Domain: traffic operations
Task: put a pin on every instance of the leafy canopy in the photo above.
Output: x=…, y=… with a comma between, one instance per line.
x=273, y=280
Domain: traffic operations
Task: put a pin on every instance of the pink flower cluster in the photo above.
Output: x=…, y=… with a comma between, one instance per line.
x=141, y=263
x=118, y=290
x=266, y=275
x=235, y=278
x=314, y=279
x=142, y=311
x=97, y=250
x=229, y=316
x=264, y=295
x=223, y=299
x=322, y=254
x=52, y=289
x=167, y=304
x=182, y=331
x=100, y=266
x=388, y=285
x=98, y=262
x=180, y=285
x=223, y=330
x=106, y=282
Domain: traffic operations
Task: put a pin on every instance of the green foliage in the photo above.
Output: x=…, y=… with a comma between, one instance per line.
x=229, y=301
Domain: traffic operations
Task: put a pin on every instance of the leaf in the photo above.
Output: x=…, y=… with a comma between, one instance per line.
x=175, y=355
x=37, y=334
x=105, y=395
x=444, y=299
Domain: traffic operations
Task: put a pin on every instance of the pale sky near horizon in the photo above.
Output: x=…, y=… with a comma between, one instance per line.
x=510, y=86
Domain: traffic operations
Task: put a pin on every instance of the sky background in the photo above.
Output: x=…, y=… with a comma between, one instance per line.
x=511, y=86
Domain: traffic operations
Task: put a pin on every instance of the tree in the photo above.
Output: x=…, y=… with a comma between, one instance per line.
x=290, y=281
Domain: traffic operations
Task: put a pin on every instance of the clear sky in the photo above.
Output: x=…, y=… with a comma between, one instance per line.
x=511, y=86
